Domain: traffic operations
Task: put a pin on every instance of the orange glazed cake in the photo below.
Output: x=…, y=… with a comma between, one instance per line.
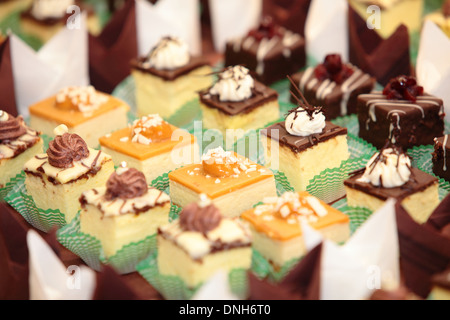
x=232, y=182
x=276, y=228
x=202, y=242
x=56, y=179
x=18, y=144
x=85, y=111
x=152, y=146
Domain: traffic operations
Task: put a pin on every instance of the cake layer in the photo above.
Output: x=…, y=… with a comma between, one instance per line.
x=231, y=200
x=116, y=231
x=419, y=122
x=64, y=195
x=172, y=260
x=11, y=167
x=302, y=165
x=240, y=123
x=336, y=99
x=167, y=96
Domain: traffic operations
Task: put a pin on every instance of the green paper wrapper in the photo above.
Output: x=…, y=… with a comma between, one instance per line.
x=350, y=122
x=9, y=186
x=90, y=249
x=173, y=287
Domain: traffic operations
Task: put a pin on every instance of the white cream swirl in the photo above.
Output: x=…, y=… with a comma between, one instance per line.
x=234, y=84
x=170, y=53
x=45, y=9
x=389, y=170
x=300, y=123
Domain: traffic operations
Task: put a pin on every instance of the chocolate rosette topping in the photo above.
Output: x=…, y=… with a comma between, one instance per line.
x=127, y=185
x=66, y=149
x=11, y=128
x=200, y=219
x=446, y=9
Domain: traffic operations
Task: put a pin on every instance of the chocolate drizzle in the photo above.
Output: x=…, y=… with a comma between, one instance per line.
x=12, y=128
x=127, y=185
x=66, y=149
x=200, y=219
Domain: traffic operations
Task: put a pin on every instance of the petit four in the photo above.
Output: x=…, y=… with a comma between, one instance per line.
x=382, y=58
x=57, y=178
x=388, y=174
x=85, y=111
x=201, y=242
x=276, y=229
x=45, y=18
x=441, y=286
x=440, y=159
x=270, y=51
x=402, y=106
x=18, y=143
x=304, y=144
x=442, y=18
x=152, y=146
x=334, y=85
x=168, y=77
x=233, y=183
x=126, y=210
x=238, y=102
x=393, y=13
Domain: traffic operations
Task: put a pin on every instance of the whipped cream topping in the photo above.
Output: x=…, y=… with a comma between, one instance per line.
x=301, y=122
x=389, y=168
x=234, y=84
x=170, y=53
x=47, y=9
x=85, y=99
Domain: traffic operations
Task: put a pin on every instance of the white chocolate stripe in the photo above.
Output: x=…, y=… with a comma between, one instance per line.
x=305, y=78
x=445, y=152
x=264, y=47
x=372, y=104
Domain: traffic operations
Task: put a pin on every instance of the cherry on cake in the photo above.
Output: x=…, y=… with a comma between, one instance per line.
x=389, y=174
x=18, y=143
x=56, y=179
x=84, y=110
x=202, y=242
x=151, y=145
x=123, y=211
x=238, y=103
x=232, y=182
x=168, y=77
x=276, y=230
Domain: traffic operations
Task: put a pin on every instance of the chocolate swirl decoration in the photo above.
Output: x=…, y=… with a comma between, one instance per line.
x=11, y=128
x=195, y=218
x=128, y=185
x=66, y=149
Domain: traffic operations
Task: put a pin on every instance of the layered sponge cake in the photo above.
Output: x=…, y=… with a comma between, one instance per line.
x=232, y=182
x=18, y=143
x=57, y=178
x=201, y=242
x=126, y=210
x=276, y=229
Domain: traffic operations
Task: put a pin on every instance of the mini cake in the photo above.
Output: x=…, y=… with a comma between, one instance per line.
x=270, y=51
x=442, y=18
x=418, y=117
x=56, y=180
x=168, y=77
x=148, y=146
x=18, y=144
x=233, y=183
x=45, y=18
x=441, y=286
x=85, y=111
x=304, y=145
x=388, y=174
x=393, y=13
x=201, y=242
x=126, y=210
x=333, y=85
x=237, y=101
x=440, y=159
x=276, y=229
